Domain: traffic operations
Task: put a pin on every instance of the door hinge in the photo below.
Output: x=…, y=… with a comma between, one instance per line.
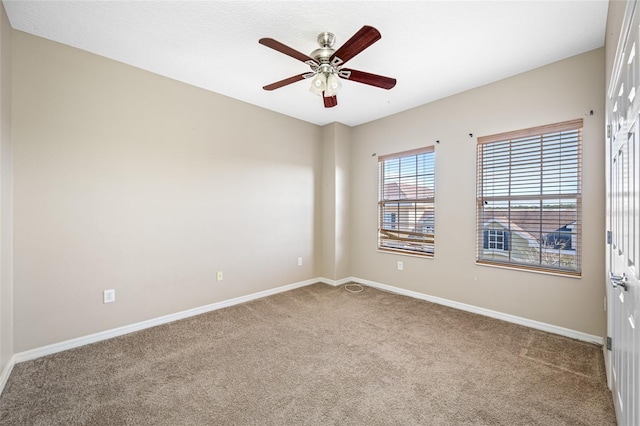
x=608, y=343
x=609, y=131
x=608, y=237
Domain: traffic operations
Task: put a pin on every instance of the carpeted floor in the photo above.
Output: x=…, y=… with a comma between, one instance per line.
x=318, y=355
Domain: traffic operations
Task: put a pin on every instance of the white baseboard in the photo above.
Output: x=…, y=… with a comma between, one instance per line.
x=115, y=332
x=573, y=334
x=108, y=334
x=6, y=373
x=334, y=282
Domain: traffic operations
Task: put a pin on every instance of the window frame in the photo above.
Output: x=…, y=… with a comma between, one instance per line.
x=493, y=182
x=397, y=238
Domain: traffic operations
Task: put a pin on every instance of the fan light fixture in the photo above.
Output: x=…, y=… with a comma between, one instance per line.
x=333, y=84
x=318, y=84
x=329, y=83
x=327, y=64
x=326, y=80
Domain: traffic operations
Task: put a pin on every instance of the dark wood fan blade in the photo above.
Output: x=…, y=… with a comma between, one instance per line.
x=329, y=101
x=364, y=38
x=276, y=45
x=286, y=81
x=367, y=78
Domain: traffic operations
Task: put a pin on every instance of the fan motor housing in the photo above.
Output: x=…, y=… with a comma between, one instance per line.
x=326, y=41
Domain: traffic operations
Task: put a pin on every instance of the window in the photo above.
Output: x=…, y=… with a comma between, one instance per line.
x=406, y=217
x=495, y=240
x=529, y=198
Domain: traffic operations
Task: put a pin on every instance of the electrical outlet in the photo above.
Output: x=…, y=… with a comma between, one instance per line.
x=299, y=261
x=400, y=266
x=109, y=296
x=219, y=276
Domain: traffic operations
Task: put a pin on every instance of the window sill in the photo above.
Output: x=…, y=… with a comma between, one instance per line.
x=518, y=268
x=405, y=253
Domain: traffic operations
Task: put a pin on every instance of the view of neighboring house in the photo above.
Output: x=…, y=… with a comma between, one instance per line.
x=552, y=242
x=406, y=219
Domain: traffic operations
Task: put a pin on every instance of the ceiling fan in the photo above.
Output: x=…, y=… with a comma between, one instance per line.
x=327, y=64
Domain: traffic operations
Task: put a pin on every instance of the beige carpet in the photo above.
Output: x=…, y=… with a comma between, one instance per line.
x=318, y=355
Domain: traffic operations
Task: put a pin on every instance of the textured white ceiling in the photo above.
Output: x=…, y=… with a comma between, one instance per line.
x=433, y=48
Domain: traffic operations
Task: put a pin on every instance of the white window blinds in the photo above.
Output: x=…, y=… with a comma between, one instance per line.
x=529, y=198
x=406, y=217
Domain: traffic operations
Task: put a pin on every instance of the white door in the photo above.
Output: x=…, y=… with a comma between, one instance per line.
x=623, y=185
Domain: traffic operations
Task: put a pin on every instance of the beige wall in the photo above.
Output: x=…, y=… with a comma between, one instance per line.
x=6, y=196
x=342, y=212
x=328, y=218
x=131, y=181
x=335, y=207
x=561, y=91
